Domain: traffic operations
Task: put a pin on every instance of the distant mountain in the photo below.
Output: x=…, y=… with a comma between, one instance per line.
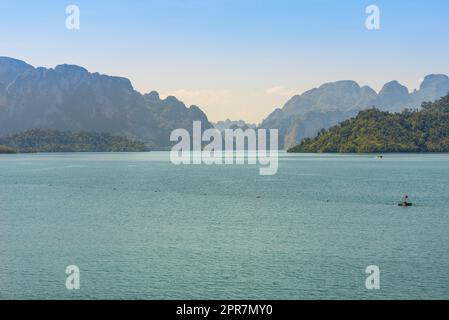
x=40, y=140
x=393, y=97
x=433, y=87
x=11, y=68
x=373, y=130
x=230, y=124
x=303, y=116
x=69, y=98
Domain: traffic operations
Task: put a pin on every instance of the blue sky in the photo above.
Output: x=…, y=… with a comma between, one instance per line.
x=234, y=58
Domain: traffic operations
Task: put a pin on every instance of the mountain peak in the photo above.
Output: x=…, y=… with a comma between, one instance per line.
x=171, y=100
x=393, y=96
x=341, y=85
x=153, y=96
x=393, y=83
x=393, y=86
x=12, y=61
x=434, y=79
x=70, y=68
x=70, y=98
x=11, y=68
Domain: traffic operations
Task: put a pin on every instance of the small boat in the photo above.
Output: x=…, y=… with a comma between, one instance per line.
x=405, y=202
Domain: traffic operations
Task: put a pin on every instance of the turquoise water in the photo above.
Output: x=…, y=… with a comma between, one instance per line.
x=139, y=227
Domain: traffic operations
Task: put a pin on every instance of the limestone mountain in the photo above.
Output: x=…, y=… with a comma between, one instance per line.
x=303, y=116
x=434, y=86
x=233, y=124
x=393, y=97
x=10, y=69
x=70, y=98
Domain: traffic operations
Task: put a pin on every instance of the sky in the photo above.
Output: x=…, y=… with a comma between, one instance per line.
x=237, y=59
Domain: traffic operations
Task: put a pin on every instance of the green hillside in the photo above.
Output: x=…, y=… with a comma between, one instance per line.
x=372, y=130
x=44, y=140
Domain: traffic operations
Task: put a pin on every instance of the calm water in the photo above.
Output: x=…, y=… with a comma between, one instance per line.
x=141, y=228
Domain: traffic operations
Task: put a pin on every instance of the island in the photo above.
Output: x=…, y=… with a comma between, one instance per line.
x=48, y=140
x=375, y=131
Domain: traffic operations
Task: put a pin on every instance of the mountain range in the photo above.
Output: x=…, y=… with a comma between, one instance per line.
x=233, y=125
x=303, y=116
x=70, y=98
x=373, y=130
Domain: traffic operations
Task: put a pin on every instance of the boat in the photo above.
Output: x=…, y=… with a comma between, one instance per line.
x=405, y=202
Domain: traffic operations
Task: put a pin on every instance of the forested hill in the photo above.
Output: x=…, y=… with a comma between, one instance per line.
x=44, y=140
x=372, y=130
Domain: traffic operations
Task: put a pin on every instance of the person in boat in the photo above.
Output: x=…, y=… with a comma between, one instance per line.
x=405, y=202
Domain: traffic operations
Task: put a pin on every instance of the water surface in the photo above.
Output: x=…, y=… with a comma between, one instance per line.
x=140, y=227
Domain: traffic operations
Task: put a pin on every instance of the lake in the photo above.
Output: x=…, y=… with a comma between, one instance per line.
x=139, y=227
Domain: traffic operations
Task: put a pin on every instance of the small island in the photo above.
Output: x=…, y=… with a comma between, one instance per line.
x=375, y=131
x=47, y=140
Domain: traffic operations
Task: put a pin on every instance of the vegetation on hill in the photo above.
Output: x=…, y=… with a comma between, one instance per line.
x=5, y=149
x=45, y=140
x=372, y=130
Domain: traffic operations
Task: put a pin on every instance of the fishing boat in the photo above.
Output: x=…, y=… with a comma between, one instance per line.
x=405, y=202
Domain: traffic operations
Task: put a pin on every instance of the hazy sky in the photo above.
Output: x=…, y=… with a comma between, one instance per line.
x=236, y=59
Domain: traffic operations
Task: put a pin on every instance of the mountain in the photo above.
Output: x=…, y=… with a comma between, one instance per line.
x=373, y=130
x=393, y=97
x=10, y=69
x=70, y=98
x=232, y=124
x=303, y=116
x=433, y=87
x=46, y=140
x=336, y=96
